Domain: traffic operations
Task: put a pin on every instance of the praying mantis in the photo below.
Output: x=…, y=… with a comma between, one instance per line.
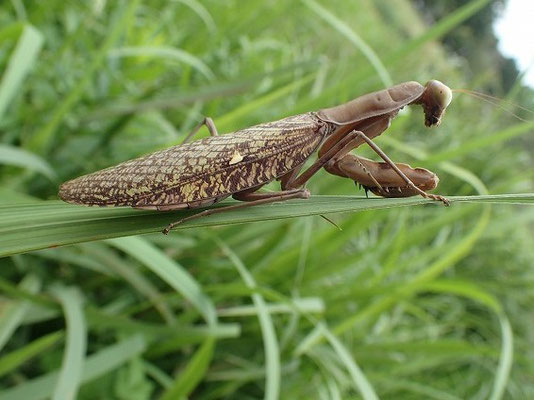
x=203, y=172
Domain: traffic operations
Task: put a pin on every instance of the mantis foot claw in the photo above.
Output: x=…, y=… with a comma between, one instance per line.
x=446, y=202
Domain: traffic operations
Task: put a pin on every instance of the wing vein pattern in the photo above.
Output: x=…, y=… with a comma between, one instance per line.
x=210, y=168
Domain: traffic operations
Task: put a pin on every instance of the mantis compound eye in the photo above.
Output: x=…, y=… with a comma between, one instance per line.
x=435, y=100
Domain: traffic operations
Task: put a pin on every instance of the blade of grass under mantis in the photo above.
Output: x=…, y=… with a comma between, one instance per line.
x=270, y=341
x=96, y=365
x=170, y=271
x=42, y=139
x=50, y=224
x=20, y=63
x=70, y=373
x=352, y=37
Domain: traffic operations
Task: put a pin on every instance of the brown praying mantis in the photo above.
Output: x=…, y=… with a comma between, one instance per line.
x=201, y=173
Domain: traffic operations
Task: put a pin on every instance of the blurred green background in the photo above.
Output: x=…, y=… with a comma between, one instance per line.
x=411, y=302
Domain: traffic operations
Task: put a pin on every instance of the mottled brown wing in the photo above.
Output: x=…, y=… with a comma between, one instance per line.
x=210, y=168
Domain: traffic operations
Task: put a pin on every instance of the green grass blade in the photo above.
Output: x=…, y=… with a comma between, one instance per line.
x=460, y=250
x=96, y=365
x=505, y=360
x=193, y=373
x=51, y=223
x=16, y=358
x=110, y=260
x=309, y=305
x=169, y=53
x=182, y=333
x=20, y=63
x=10, y=155
x=475, y=145
x=226, y=120
x=202, y=13
x=42, y=139
x=352, y=37
x=361, y=382
x=170, y=271
x=76, y=342
x=466, y=289
x=270, y=341
x=13, y=314
x=11, y=31
x=445, y=25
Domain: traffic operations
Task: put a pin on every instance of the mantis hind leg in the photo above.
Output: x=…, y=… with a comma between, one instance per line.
x=250, y=198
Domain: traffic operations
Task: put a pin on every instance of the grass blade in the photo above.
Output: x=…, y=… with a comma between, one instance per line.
x=361, y=382
x=506, y=359
x=354, y=38
x=19, y=65
x=440, y=29
x=52, y=223
x=16, y=358
x=270, y=341
x=41, y=141
x=12, y=316
x=73, y=358
x=166, y=53
x=10, y=155
x=193, y=373
x=170, y=271
x=98, y=364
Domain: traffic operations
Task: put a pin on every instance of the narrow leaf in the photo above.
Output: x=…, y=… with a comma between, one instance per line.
x=193, y=373
x=16, y=358
x=73, y=358
x=11, y=155
x=97, y=365
x=12, y=316
x=170, y=271
x=19, y=65
x=27, y=227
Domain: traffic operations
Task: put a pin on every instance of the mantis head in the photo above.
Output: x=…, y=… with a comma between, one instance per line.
x=435, y=99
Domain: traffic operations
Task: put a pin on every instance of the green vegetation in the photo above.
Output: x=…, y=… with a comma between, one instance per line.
x=409, y=302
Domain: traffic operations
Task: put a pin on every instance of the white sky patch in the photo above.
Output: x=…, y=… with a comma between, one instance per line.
x=515, y=31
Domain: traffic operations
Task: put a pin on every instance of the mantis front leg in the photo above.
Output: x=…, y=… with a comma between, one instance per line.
x=380, y=178
x=401, y=174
